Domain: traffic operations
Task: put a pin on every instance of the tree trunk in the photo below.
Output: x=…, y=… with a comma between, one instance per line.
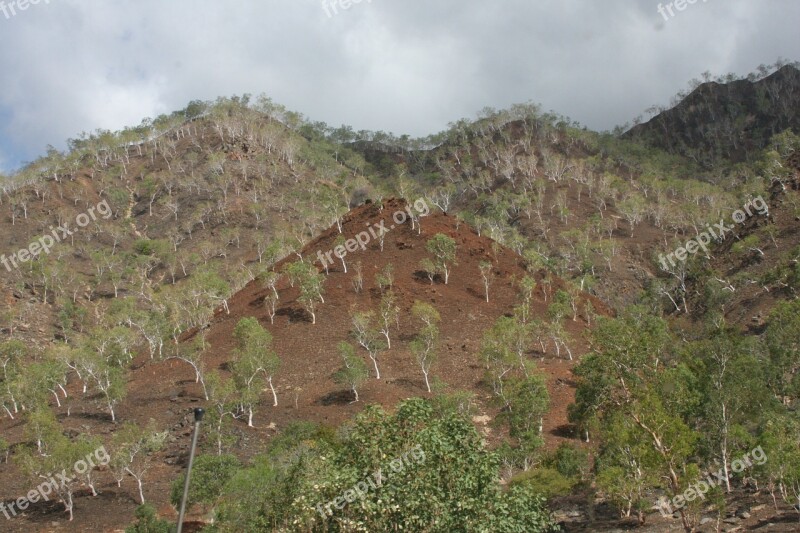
x=274, y=396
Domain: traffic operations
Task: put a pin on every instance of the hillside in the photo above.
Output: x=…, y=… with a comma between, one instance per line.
x=170, y=233
x=731, y=121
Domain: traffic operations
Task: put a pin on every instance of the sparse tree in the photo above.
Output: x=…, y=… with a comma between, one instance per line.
x=486, y=274
x=368, y=337
x=443, y=249
x=354, y=371
x=423, y=347
x=133, y=449
x=254, y=357
x=389, y=314
x=192, y=354
x=358, y=278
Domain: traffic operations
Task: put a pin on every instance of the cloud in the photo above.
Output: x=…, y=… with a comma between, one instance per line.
x=406, y=67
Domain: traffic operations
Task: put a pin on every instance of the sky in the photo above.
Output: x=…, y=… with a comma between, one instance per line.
x=401, y=66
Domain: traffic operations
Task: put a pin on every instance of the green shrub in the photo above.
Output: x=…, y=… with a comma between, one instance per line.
x=210, y=474
x=148, y=522
x=545, y=481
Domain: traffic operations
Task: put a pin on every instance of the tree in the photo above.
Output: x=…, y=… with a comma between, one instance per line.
x=527, y=287
x=443, y=249
x=428, y=268
x=63, y=455
x=192, y=354
x=389, y=314
x=12, y=353
x=354, y=371
x=633, y=208
x=311, y=286
x=134, y=447
x=423, y=347
x=339, y=241
x=430, y=471
x=210, y=475
x=107, y=377
x=729, y=378
x=626, y=468
x=270, y=280
x=385, y=278
x=47, y=375
x=254, y=356
x=527, y=401
x=486, y=273
x=358, y=278
x=782, y=340
x=368, y=337
x=223, y=398
x=625, y=376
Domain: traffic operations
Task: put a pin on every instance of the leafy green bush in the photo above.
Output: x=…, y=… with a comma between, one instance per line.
x=210, y=473
x=571, y=462
x=148, y=522
x=428, y=472
x=544, y=481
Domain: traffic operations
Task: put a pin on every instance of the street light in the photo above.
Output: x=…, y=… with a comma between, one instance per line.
x=198, y=416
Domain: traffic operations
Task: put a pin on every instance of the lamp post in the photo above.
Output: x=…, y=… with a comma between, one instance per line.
x=198, y=416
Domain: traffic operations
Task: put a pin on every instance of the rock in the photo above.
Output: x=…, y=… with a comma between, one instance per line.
x=743, y=514
x=731, y=520
x=706, y=520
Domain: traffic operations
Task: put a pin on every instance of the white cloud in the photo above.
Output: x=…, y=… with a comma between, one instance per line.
x=407, y=67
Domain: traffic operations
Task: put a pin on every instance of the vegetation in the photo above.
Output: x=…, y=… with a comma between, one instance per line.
x=699, y=366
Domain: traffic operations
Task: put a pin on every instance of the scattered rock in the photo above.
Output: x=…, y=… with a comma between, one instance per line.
x=483, y=419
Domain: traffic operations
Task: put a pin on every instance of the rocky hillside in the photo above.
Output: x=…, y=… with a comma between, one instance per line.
x=731, y=121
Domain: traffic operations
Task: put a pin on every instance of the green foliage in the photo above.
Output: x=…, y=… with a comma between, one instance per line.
x=353, y=372
x=147, y=521
x=385, y=278
x=435, y=475
x=570, y=461
x=133, y=447
x=526, y=403
x=311, y=284
x=443, y=249
x=544, y=481
x=210, y=474
x=424, y=345
x=254, y=359
x=782, y=339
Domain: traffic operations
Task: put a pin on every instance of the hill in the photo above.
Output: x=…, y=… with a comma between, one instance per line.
x=731, y=121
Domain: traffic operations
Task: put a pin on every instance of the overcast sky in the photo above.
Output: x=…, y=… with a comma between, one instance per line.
x=405, y=66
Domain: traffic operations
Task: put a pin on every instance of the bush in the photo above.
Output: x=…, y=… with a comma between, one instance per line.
x=148, y=522
x=545, y=481
x=210, y=474
x=571, y=462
